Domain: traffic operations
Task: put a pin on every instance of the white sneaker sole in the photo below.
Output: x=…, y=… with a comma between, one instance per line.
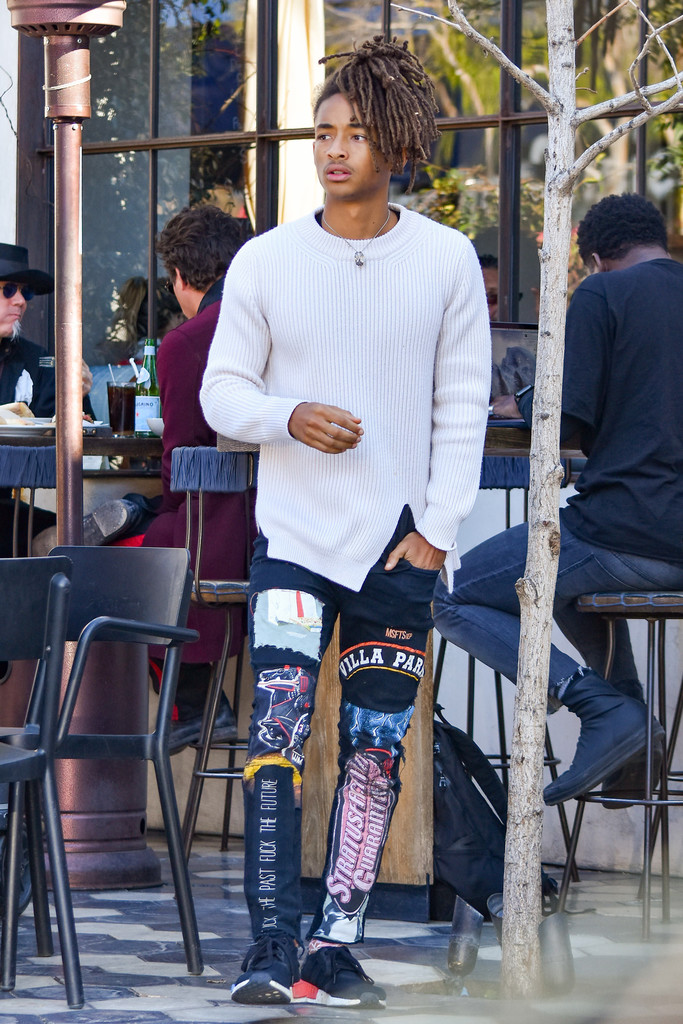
x=258, y=991
x=304, y=992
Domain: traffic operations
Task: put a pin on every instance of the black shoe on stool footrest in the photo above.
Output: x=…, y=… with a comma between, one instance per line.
x=186, y=731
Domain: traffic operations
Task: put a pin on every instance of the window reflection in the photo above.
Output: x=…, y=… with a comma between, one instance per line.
x=467, y=82
x=349, y=20
x=201, y=67
x=207, y=174
x=115, y=238
x=119, y=66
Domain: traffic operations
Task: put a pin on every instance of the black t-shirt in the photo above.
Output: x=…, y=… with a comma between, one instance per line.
x=623, y=379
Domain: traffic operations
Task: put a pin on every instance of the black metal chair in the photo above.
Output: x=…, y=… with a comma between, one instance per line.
x=34, y=624
x=135, y=595
x=655, y=607
x=196, y=471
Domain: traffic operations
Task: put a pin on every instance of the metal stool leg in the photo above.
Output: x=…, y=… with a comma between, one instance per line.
x=647, y=810
x=439, y=667
x=227, y=807
x=502, y=739
x=571, y=854
x=667, y=763
x=663, y=778
x=471, y=667
x=203, y=750
x=561, y=812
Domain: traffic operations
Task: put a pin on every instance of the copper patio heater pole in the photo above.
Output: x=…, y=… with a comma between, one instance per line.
x=66, y=27
x=103, y=803
x=67, y=102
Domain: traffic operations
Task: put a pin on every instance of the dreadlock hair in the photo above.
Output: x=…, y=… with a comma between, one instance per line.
x=393, y=98
x=618, y=223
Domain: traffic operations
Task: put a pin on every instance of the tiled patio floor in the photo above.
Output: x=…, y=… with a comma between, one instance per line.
x=134, y=968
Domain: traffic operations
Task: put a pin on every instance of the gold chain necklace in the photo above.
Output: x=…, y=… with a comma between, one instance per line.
x=358, y=254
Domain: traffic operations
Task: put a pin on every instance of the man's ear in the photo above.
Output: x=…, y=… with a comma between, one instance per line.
x=179, y=281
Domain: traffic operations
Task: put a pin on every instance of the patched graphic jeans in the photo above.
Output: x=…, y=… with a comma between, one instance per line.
x=383, y=635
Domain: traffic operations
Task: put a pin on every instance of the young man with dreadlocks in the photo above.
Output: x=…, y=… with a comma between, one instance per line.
x=353, y=345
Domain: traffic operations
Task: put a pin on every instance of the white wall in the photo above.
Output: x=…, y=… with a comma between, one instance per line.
x=8, y=122
x=609, y=838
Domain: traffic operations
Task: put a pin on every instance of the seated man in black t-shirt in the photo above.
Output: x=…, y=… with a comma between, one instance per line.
x=622, y=528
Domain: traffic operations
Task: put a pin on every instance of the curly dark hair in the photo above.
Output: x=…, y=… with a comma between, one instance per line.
x=618, y=223
x=393, y=97
x=200, y=242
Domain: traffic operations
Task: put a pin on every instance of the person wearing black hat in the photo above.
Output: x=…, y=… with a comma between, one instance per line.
x=22, y=378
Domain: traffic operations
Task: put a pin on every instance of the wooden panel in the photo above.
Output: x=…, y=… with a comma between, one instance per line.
x=408, y=854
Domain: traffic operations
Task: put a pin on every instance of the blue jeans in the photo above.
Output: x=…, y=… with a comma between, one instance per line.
x=482, y=615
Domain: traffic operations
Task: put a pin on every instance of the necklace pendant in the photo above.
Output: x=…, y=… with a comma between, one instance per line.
x=359, y=258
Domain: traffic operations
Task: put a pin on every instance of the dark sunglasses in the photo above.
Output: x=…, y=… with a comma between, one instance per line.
x=168, y=285
x=9, y=290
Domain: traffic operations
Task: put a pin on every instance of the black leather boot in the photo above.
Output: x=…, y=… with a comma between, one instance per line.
x=613, y=730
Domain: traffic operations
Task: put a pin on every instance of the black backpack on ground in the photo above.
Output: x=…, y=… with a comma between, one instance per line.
x=469, y=824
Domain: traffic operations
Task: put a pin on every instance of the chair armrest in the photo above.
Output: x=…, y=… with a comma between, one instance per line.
x=105, y=627
x=136, y=632
x=26, y=737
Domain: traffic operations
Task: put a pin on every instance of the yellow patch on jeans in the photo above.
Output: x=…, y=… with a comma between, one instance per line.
x=253, y=765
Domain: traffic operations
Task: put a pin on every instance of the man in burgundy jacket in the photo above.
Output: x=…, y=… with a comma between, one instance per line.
x=196, y=247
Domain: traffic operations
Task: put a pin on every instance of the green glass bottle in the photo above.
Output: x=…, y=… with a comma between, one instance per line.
x=147, y=400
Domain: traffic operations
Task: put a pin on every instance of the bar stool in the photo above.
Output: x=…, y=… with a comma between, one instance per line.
x=196, y=471
x=655, y=607
x=28, y=468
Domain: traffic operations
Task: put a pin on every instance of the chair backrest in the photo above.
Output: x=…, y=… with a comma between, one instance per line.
x=144, y=584
x=34, y=625
x=25, y=586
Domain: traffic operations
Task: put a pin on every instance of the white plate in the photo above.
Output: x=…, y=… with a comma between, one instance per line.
x=27, y=425
x=156, y=425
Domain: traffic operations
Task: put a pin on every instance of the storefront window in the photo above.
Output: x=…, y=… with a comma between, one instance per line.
x=202, y=67
x=467, y=82
x=115, y=233
x=119, y=65
x=181, y=102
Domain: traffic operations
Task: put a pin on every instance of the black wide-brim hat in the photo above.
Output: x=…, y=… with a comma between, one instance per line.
x=14, y=267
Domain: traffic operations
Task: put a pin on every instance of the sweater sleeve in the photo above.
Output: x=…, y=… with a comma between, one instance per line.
x=233, y=393
x=462, y=382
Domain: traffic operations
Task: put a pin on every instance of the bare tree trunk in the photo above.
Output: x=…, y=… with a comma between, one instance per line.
x=522, y=895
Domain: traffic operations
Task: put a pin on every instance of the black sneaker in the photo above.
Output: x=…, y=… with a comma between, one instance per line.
x=333, y=977
x=185, y=732
x=270, y=967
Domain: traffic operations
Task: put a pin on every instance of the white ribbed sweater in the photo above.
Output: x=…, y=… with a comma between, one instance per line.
x=403, y=342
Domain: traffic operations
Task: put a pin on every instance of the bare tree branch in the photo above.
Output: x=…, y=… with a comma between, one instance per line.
x=601, y=22
x=654, y=34
x=617, y=102
x=461, y=23
x=618, y=131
